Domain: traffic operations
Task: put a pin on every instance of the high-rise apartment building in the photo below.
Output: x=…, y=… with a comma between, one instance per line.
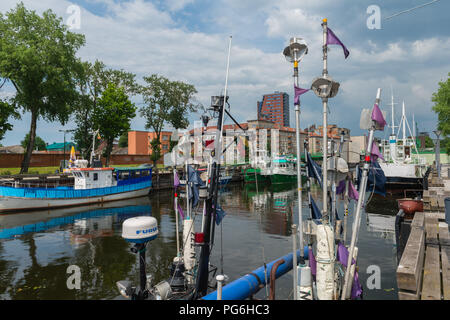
x=274, y=107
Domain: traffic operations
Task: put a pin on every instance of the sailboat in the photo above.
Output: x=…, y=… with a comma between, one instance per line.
x=402, y=165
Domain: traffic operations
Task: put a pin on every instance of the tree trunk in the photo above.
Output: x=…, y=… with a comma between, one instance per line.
x=30, y=146
x=109, y=146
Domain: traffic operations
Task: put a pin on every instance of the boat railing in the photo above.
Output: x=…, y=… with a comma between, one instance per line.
x=39, y=181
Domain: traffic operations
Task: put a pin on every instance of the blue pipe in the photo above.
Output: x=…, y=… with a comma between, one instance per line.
x=248, y=285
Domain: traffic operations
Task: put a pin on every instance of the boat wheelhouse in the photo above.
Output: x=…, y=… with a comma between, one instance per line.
x=281, y=170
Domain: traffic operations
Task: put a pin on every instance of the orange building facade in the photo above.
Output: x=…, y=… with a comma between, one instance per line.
x=139, y=142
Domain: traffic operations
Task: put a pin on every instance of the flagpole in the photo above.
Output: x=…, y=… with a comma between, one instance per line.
x=325, y=215
x=176, y=215
x=299, y=176
x=357, y=219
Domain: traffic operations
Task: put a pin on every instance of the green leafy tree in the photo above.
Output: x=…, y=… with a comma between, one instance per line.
x=167, y=102
x=94, y=79
x=123, y=140
x=39, y=143
x=155, y=145
x=38, y=56
x=445, y=143
x=112, y=115
x=6, y=112
x=429, y=142
x=441, y=100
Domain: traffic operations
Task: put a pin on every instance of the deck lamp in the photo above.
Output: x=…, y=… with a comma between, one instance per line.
x=325, y=87
x=296, y=50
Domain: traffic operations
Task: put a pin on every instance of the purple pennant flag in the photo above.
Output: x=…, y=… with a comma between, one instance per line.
x=180, y=211
x=375, y=153
x=298, y=92
x=377, y=116
x=176, y=181
x=341, y=187
x=332, y=39
x=342, y=257
x=352, y=193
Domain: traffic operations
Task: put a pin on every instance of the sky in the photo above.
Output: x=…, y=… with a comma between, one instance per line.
x=187, y=40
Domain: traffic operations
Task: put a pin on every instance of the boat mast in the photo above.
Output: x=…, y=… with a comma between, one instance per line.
x=392, y=111
x=218, y=103
x=403, y=124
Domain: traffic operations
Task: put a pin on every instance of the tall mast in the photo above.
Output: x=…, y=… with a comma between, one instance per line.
x=392, y=112
x=403, y=123
x=393, y=126
x=218, y=104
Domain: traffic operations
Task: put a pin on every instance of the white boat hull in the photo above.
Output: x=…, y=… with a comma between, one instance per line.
x=13, y=204
x=392, y=170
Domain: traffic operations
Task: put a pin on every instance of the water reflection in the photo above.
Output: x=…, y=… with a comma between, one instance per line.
x=36, y=248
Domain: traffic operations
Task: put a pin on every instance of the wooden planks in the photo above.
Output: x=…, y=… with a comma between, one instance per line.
x=409, y=270
x=444, y=236
x=431, y=229
x=445, y=255
x=431, y=287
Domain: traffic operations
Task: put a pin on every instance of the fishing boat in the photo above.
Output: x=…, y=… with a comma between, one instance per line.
x=77, y=185
x=82, y=186
x=402, y=165
x=253, y=175
x=281, y=170
x=259, y=163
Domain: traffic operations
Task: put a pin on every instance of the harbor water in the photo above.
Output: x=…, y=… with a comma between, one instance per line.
x=40, y=250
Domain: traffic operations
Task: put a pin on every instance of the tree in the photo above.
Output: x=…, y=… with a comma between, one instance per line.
x=441, y=100
x=6, y=112
x=168, y=102
x=92, y=82
x=39, y=143
x=155, y=145
x=38, y=56
x=445, y=143
x=429, y=142
x=123, y=140
x=112, y=115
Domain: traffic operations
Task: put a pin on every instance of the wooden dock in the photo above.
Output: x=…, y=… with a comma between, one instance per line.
x=424, y=269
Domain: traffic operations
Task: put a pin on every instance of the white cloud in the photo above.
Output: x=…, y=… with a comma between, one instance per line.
x=175, y=5
x=141, y=37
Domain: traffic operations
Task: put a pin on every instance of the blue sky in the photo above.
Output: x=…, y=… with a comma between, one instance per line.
x=188, y=39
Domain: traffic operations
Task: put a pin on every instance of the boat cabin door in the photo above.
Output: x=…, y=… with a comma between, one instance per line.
x=407, y=152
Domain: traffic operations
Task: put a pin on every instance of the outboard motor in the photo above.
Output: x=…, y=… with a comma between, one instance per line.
x=138, y=230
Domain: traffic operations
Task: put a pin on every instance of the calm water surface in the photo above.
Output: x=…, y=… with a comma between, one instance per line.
x=37, y=248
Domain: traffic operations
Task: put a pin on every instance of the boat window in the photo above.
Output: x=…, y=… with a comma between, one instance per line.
x=95, y=176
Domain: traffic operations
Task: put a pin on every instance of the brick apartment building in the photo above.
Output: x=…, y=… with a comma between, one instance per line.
x=139, y=142
x=274, y=107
